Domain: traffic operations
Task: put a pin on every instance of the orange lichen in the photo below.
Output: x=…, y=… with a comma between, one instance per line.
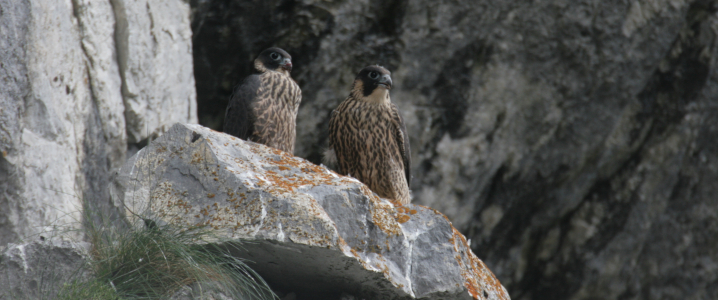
x=210, y=195
x=311, y=175
x=381, y=214
x=385, y=269
x=196, y=158
x=403, y=219
x=472, y=268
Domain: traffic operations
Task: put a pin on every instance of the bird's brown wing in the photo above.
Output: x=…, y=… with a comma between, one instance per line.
x=403, y=140
x=239, y=118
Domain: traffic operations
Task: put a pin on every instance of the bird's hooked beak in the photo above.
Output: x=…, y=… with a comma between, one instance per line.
x=287, y=64
x=385, y=81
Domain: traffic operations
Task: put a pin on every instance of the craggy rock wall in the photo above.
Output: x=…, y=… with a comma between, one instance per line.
x=79, y=80
x=572, y=141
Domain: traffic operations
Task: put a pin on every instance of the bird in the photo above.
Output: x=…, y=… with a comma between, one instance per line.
x=263, y=108
x=367, y=137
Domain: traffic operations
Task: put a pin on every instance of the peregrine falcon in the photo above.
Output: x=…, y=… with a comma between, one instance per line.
x=368, y=139
x=263, y=109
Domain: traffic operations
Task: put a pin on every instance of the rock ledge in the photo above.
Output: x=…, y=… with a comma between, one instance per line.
x=310, y=229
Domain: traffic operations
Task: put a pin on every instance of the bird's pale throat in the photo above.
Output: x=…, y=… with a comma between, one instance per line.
x=380, y=95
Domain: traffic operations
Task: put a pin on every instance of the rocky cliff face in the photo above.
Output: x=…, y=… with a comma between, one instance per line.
x=81, y=79
x=572, y=141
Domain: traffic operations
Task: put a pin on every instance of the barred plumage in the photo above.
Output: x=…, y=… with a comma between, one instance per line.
x=263, y=109
x=368, y=137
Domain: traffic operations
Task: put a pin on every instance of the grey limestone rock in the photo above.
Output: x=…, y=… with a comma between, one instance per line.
x=68, y=105
x=155, y=60
x=38, y=269
x=306, y=228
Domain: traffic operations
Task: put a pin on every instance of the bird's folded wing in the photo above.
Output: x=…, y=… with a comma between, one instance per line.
x=239, y=117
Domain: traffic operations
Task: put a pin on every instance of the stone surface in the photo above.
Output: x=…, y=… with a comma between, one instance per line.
x=97, y=23
x=155, y=61
x=38, y=269
x=572, y=141
x=63, y=128
x=310, y=230
x=50, y=120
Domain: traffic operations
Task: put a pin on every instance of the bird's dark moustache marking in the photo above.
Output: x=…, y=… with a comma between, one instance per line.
x=369, y=88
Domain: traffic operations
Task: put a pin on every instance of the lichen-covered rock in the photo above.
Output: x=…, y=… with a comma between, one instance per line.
x=76, y=77
x=310, y=229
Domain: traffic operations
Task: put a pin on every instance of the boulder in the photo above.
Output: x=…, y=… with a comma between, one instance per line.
x=70, y=73
x=304, y=227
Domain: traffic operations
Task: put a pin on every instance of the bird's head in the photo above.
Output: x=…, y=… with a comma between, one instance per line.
x=274, y=59
x=372, y=84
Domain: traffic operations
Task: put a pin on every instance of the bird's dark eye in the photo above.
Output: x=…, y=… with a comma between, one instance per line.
x=373, y=75
x=274, y=56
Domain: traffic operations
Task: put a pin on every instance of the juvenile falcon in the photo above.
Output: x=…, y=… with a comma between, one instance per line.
x=263, y=109
x=368, y=137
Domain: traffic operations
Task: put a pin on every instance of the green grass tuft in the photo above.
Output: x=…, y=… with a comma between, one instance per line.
x=89, y=290
x=157, y=261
